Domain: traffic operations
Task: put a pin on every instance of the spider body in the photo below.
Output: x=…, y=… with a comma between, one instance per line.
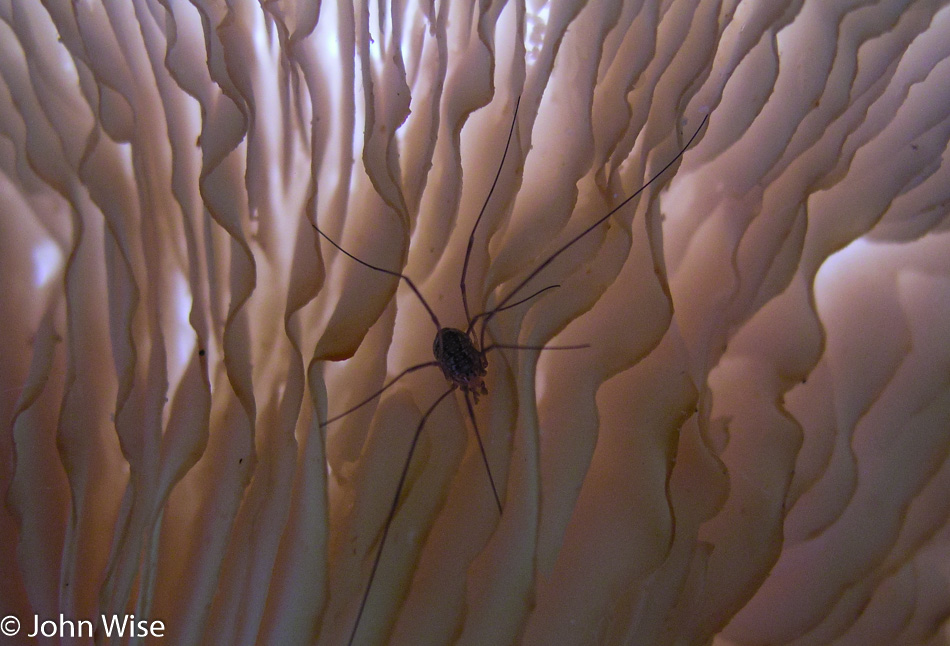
x=462, y=355
x=462, y=364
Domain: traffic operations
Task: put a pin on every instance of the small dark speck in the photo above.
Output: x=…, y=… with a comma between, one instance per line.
x=804, y=381
x=240, y=460
x=913, y=146
x=201, y=353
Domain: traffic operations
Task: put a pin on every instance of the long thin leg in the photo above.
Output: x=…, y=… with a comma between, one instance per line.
x=481, y=447
x=596, y=224
x=406, y=278
x=506, y=346
x=481, y=344
x=471, y=236
x=379, y=392
x=392, y=511
x=471, y=324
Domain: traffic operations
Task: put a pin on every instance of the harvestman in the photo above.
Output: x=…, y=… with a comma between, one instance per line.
x=462, y=355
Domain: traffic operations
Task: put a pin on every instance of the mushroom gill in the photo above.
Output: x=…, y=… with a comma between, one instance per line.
x=753, y=448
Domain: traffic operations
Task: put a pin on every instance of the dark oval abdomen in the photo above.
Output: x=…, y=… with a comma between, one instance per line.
x=460, y=361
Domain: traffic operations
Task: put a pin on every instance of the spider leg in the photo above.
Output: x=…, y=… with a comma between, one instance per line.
x=471, y=324
x=471, y=236
x=506, y=346
x=379, y=392
x=392, y=512
x=487, y=315
x=481, y=447
x=404, y=277
x=596, y=224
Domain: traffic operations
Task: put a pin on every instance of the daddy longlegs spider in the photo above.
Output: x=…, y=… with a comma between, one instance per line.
x=463, y=355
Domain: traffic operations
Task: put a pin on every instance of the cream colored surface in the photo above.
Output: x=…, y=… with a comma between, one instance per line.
x=753, y=449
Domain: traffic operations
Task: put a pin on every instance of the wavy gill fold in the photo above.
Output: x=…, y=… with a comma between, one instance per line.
x=754, y=448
